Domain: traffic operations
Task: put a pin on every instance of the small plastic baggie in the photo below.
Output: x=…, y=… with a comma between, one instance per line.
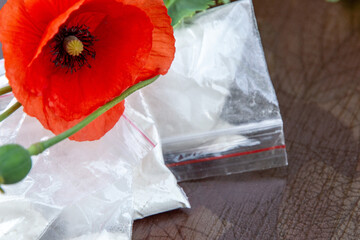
x=216, y=110
x=75, y=190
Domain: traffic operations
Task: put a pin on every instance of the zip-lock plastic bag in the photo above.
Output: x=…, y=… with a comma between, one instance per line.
x=92, y=190
x=72, y=192
x=216, y=110
x=75, y=190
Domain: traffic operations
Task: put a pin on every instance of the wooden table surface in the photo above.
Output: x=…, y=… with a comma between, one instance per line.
x=313, y=53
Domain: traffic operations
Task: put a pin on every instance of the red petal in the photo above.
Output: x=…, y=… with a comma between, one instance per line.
x=163, y=48
x=44, y=11
x=94, y=131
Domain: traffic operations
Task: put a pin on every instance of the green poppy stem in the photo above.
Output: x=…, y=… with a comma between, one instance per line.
x=8, y=112
x=39, y=147
x=4, y=90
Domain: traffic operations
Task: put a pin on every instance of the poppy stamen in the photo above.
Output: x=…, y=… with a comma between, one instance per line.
x=72, y=47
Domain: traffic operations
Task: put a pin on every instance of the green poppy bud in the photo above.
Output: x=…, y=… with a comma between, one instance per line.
x=15, y=163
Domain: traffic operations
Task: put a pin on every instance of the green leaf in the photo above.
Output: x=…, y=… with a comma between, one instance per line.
x=179, y=9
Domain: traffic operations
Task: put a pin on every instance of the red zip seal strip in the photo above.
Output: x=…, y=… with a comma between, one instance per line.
x=225, y=156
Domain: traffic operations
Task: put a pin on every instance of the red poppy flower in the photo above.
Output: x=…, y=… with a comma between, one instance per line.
x=65, y=58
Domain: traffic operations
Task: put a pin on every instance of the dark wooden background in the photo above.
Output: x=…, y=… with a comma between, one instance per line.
x=313, y=52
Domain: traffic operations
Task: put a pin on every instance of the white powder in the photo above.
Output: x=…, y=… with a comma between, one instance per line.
x=104, y=235
x=19, y=220
x=155, y=187
x=189, y=99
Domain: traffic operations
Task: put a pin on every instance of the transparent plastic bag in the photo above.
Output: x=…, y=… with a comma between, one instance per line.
x=82, y=215
x=155, y=188
x=75, y=190
x=216, y=110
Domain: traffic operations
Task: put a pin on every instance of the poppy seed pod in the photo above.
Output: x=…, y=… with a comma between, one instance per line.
x=15, y=163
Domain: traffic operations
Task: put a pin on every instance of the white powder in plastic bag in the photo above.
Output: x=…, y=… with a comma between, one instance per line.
x=190, y=97
x=155, y=187
x=20, y=220
x=154, y=190
x=104, y=235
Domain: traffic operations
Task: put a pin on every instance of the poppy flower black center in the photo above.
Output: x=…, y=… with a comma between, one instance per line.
x=72, y=47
